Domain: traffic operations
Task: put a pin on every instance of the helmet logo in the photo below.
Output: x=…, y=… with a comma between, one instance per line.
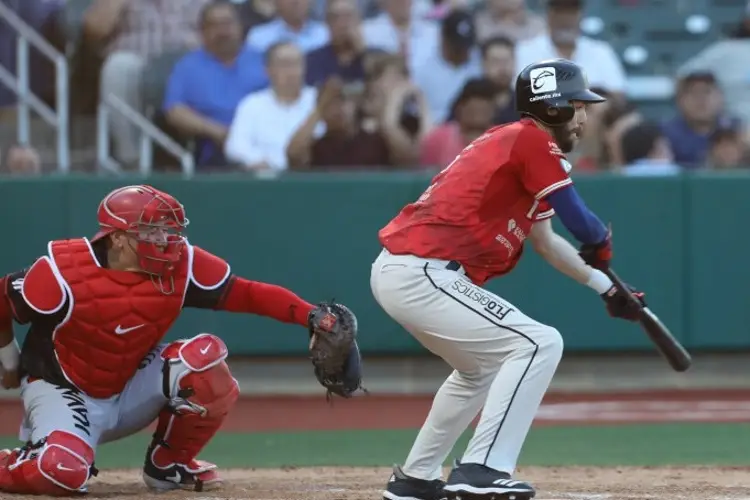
x=543, y=80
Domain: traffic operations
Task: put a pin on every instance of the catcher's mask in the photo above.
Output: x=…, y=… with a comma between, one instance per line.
x=153, y=219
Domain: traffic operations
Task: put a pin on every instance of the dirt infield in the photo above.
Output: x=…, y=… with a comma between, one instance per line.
x=579, y=483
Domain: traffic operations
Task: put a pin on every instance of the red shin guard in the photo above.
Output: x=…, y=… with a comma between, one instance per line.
x=202, y=392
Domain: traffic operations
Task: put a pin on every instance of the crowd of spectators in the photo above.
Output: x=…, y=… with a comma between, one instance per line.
x=321, y=85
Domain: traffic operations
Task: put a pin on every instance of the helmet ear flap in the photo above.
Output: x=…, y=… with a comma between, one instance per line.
x=558, y=114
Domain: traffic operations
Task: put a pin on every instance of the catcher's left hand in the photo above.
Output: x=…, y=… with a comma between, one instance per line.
x=333, y=349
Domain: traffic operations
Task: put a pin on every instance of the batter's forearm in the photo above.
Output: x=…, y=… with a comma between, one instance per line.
x=564, y=257
x=265, y=299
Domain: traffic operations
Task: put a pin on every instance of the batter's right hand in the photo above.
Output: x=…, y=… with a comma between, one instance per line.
x=620, y=305
x=11, y=379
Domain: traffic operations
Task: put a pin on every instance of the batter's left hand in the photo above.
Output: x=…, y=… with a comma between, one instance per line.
x=619, y=304
x=11, y=379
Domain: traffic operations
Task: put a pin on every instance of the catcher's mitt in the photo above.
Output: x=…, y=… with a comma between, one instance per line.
x=333, y=349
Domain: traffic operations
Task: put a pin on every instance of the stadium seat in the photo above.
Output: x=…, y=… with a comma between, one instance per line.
x=72, y=20
x=153, y=87
x=155, y=78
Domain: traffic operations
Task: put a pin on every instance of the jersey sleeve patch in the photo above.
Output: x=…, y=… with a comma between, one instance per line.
x=41, y=289
x=209, y=271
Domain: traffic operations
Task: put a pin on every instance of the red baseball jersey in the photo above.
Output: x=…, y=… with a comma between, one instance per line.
x=480, y=208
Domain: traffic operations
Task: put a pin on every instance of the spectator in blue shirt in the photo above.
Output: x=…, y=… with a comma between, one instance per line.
x=342, y=57
x=293, y=24
x=207, y=85
x=700, y=106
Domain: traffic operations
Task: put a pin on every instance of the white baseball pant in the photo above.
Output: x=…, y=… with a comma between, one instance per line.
x=502, y=359
x=96, y=421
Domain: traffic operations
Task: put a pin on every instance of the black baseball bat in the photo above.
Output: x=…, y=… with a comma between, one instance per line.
x=674, y=352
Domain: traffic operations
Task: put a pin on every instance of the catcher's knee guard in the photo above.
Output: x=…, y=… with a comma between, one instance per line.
x=201, y=391
x=59, y=465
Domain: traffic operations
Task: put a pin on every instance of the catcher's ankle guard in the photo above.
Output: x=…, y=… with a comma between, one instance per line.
x=58, y=465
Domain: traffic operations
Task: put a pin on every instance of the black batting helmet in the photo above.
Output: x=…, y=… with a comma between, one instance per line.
x=545, y=89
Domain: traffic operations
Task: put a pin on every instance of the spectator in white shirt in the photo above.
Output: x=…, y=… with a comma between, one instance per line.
x=442, y=74
x=266, y=120
x=398, y=31
x=564, y=39
x=293, y=24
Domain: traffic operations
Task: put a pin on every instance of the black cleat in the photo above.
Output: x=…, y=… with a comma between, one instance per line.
x=403, y=487
x=474, y=481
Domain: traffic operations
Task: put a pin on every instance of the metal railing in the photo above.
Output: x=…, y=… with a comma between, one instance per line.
x=149, y=134
x=20, y=84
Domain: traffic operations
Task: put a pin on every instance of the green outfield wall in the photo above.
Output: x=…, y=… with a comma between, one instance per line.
x=683, y=240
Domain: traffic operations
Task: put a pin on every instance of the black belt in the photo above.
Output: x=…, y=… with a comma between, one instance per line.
x=453, y=265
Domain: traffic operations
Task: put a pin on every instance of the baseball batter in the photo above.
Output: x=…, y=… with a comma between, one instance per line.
x=92, y=369
x=468, y=227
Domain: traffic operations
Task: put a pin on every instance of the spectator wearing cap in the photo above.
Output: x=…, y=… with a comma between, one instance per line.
x=442, y=74
x=398, y=30
x=510, y=19
x=563, y=39
x=734, y=78
x=646, y=151
x=344, y=55
x=474, y=112
x=727, y=150
x=293, y=24
x=700, y=111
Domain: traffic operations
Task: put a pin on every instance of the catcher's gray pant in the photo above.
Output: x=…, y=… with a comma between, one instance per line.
x=49, y=408
x=502, y=359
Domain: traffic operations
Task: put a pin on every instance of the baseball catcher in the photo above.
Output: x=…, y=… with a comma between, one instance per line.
x=92, y=368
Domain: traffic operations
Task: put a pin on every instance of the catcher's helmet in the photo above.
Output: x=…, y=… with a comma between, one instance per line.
x=545, y=89
x=153, y=218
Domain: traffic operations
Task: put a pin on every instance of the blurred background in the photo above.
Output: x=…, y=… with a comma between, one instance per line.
x=293, y=130
x=277, y=86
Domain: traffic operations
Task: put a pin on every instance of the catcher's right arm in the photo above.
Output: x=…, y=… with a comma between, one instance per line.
x=333, y=349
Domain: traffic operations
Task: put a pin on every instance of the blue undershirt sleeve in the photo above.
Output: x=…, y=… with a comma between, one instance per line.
x=582, y=223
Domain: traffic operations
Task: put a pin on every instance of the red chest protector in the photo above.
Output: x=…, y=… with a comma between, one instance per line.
x=114, y=318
